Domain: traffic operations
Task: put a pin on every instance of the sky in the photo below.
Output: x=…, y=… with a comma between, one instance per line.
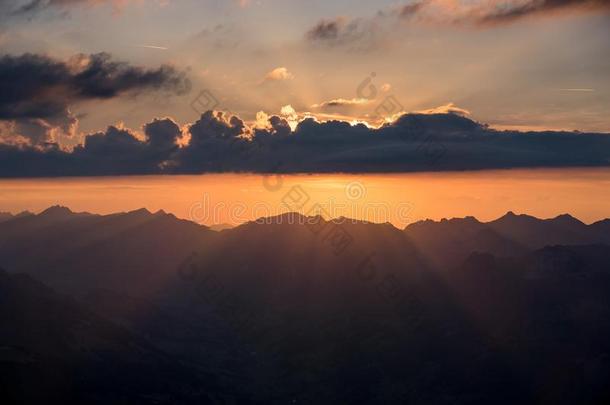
x=95, y=74
x=397, y=198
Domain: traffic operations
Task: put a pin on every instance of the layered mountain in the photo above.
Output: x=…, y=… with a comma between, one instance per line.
x=332, y=311
x=449, y=242
x=294, y=309
x=548, y=312
x=130, y=251
x=52, y=349
x=5, y=216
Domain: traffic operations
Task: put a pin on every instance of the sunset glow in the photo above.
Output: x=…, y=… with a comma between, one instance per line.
x=321, y=202
x=396, y=198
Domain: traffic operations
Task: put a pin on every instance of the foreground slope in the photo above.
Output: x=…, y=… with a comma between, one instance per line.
x=54, y=350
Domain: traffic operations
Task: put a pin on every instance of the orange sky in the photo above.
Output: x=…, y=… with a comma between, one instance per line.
x=396, y=198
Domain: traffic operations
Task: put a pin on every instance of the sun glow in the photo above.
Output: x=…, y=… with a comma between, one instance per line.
x=396, y=198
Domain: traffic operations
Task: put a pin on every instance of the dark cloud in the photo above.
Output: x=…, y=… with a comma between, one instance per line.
x=517, y=10
x=326, y=30
x=414, y=142
x=119, y=151
x=342, y=31
x=163, y=134
x=32, y=5
x=359, y=34
x=495, y=11
x=115, y=151
x=37, y=91
x=410, y=9
x=35, y=86
x=342, y=102
x=28, y=7
x=217, y=143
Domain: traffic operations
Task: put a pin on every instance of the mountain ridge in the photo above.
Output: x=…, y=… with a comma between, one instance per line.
x=287, y=311
x=509, y=215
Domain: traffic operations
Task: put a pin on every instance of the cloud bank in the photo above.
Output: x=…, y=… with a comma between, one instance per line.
x=218, y=143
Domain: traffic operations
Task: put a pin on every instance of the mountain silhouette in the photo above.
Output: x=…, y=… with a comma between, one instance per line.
x=296, y=309
x=5, y=216
x=506, y=236
x=53, y=349
x=114, y=250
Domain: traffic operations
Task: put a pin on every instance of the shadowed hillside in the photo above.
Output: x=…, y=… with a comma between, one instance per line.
x=54, y=350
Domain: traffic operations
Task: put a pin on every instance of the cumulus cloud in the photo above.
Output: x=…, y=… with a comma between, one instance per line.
x=118, y=151
x=36, y=91
x=219, y=143
x=288, y=114
x=279, y=74
x=115, y=151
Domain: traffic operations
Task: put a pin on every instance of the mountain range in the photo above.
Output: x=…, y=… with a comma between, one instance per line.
x=294, y=309
x=506, y=236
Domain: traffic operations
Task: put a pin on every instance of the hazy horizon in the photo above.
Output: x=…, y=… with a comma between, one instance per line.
x=397, y=198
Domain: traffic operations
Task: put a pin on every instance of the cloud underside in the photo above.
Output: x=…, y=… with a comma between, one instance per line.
x=495, y=11
x=414, y=142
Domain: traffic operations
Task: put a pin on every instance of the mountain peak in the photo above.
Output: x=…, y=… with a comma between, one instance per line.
x=511, y=216
x=23, y=214
x=465, y=220
x=7, y=216
x=140, y=211
x=286, y=218
x=567, y=218
x=163, y=214
x=57, y=211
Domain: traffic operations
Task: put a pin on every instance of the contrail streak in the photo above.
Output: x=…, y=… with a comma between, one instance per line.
x=153, y=47
x=581, y=90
